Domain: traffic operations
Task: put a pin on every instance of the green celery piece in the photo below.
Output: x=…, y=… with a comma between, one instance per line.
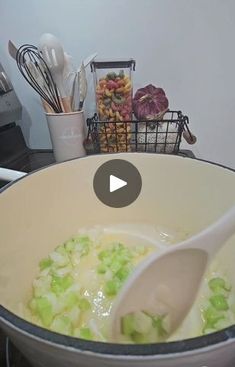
x=123, y=274
x=158, y=323
x=211, y=317
x=219, y=302
x=84, y=249
x=115, y=266
x=62, y=324
x=59, y=257
x=127, y=324
x=139, y=338
x=60, y=284
x=45, y=263
x=223, y=324
x=71, y=300
x=118, y=246
x=33, y=305
x=217, y=284
x=101, y=269
x=82, y=244
x=142, y=322
x=208, y=330
x=83, y=240
x=61, y=249
x=85, y=333
x=84, y=304
x=112, y=287
x=107, y=261
x=44, y=310
x=70, y=245
x=123, y=259
x=104, y=254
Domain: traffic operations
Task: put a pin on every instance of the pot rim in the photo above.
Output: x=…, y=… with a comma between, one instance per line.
x=131, y=350
x=114, y=349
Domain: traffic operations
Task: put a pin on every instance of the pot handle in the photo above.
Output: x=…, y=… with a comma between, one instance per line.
x=10, y=175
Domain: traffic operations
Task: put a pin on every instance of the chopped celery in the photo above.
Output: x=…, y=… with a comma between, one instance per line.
x=143, y=328
x=111, y=287
x=139, y=338
x=33, y=305
x=83, y=240
x=44, y=310
x=212, y=316
x=60, y=298
x=161, y=323
x=41, y=286
x=217, y=284
x=223, y=324
x=85, y=333
x=208, y=331
x=108, y=275
x=123, y=273
x=107, y=261
x=61, y=250
x=103, y=254
x=74, y=315
x=217, y=316
x=62, y=324
x=142, y=322
x=70, y=245
x=45, y=263
x=127, y=324
x=123, y=259
x=83, y=245
x=71, y=299
x=117, y=247
x=101, y=269
x=84, y=304
x=59, y=259
x=84, y=249
x=219, y=302
x=60, y=284
x=76, y=332
x=115, y=266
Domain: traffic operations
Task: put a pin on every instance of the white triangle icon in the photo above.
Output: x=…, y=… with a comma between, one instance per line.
x=115, y=183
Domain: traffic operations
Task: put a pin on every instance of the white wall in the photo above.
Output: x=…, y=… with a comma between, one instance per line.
x=185, y=46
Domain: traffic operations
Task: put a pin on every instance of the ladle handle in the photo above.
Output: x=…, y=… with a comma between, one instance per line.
x=213, y=237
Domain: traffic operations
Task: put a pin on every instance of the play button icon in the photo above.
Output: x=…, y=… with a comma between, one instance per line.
x=117, y=183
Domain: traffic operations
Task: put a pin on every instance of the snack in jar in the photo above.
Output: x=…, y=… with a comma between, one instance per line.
x=113, y=86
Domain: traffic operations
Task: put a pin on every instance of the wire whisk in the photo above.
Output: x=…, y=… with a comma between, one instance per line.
x=35, y=70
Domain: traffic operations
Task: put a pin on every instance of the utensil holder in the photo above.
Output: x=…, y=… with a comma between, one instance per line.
x=67, y=132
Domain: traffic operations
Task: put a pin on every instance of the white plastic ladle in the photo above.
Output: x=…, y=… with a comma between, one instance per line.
x=53, y=54
x=167, y=283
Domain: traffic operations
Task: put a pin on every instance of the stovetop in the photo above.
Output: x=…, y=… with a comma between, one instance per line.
x=9, y=355
x=15, y=154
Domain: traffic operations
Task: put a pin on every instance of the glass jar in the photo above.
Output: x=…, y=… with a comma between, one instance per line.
x=113, y=86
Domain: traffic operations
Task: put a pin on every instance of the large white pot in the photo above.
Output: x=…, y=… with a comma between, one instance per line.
x=43, y=209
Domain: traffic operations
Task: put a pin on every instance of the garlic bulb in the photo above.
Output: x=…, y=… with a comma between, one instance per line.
x=157, y=137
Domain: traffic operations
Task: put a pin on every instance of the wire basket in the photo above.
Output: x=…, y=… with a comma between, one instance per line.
x=157, y=136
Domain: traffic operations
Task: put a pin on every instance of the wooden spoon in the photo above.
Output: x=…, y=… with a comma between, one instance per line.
x=167, y=283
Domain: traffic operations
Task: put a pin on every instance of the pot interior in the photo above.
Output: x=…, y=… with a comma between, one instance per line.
x=46, y=208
